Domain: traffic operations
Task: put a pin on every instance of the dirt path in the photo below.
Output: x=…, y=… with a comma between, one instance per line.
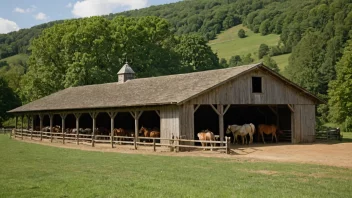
x=339, y=154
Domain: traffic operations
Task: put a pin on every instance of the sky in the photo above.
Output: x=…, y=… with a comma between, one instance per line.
x=18, y=14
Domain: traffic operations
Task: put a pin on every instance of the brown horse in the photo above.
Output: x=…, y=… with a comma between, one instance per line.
x=268, y=129
x=206, y=135
x=149, y=133
x=119, y=132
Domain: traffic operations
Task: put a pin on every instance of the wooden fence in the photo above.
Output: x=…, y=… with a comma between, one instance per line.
x=174, y=144
x=5, y=131
x=329, y=134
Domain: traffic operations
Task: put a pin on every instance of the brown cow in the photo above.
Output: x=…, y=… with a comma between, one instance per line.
x=268, y=129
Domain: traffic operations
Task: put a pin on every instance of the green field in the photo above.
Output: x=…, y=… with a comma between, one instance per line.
x=228, y=44
x=31, y=170
x=16, y=59
x=282, y=61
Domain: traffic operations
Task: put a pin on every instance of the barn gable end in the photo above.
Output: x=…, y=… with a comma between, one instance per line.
x=239, y=91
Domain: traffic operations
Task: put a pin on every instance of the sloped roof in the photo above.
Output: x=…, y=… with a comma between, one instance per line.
x=172, y=89
x=126, y=69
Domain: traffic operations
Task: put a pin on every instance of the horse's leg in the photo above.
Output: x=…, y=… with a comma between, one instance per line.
x=262, y=134
x=272, y=138
x=251, y=138
x=275, y=137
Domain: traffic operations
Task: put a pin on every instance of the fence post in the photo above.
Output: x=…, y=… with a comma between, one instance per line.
x=135, y=142
x=31, y=134
x=227, y=145
x=154, y=144
x=22, y=127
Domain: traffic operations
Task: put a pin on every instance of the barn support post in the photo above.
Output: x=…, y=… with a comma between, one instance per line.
x=41, y=126
x=51, y=117
x=33, y=127
x=16, y=122
x=77, y=115
x=136, y=115
x=28, y=121
x=221, y=122
x=112, y=126
x=22, y=126
x=94, y=118
x=63, y=126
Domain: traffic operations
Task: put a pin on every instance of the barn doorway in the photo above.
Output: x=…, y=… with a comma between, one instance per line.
x=260, y=114
x=205, y=118
x=124, y=120
x=150, y=119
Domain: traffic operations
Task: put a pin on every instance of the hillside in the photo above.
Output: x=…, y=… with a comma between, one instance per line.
x=17, y=59
x=228, y=44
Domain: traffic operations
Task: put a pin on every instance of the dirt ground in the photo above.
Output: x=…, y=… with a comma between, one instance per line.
x=331, y=154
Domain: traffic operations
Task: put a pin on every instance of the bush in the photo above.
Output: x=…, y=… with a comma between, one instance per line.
x=347, y=125
x=263, y=50
x=241, y=33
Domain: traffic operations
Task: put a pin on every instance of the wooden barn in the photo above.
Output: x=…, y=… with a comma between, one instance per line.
x=184, y=104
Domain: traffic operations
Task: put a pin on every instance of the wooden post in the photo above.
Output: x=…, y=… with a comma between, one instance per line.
x=136, y=116
x=41, y=126
x=28, y=121
x=63, y=127
x=94, y=118
x=16, y=123
x=22, y=127
x=77, y=115
x=112, y=126
x=33, y=127
x=154, y=144
x=220, y=112
x=227, y=145
x=51, y=116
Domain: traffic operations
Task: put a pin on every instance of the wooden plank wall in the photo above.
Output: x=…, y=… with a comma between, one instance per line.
x=239, y=91
x=304, y=124
x=169, y=122
x=187, y=121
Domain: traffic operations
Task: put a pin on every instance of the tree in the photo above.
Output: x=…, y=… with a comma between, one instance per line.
x=235, y=61
x=241, y=33
x=247, y=59
x=263, y=50
x=269, y=62
x=305, y=61
x=8, y=100
x=340, y=91
x=223, y=63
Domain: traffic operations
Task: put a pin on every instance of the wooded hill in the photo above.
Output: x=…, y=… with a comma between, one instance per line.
x=315, y=31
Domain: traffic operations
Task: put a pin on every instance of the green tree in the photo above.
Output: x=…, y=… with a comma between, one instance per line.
x=269, y=62
x=340, y=91
x=247, y=59
x=241, y=33
x=223, y=63
x=263, y=50
x=235, y=61
x=8, y=100
x=305, y=61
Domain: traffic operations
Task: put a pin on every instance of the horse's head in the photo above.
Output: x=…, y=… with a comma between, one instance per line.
x=228, y=130
x=142, y=130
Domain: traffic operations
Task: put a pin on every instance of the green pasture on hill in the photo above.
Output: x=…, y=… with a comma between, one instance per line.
x=16, y=59
x=228, y=44
x=31, y=170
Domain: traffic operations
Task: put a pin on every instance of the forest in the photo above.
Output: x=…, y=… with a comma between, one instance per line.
x=172, y=38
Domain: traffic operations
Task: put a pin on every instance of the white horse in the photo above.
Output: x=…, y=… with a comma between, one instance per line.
x=242, y=131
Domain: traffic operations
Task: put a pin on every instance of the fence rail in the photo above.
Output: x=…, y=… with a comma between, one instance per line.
x=329, y=134
x=174, y=144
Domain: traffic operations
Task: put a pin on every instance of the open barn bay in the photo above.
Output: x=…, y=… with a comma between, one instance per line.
x=32, y=170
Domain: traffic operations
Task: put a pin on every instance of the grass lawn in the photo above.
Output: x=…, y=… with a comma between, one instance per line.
x=31, y=170
x=282, y=61
x=228, y=44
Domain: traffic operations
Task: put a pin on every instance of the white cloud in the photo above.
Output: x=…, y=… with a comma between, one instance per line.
x=69, y=5
x=86, y=8
x=27, y=10
x=7, y=26
x=41, y=16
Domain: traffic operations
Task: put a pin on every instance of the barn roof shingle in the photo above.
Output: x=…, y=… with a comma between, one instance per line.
x=171, y=89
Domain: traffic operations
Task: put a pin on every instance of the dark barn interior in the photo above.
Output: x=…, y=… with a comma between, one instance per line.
x=149, y=119
x=206, y=118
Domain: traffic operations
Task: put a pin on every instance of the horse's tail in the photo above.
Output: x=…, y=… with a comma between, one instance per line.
x=252, y=128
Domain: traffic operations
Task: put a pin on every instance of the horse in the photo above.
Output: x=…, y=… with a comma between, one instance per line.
x=206, y=135
x=234, y=129
x=119, y=132
x=144, y=131
x=268, y=129
x=243, y=131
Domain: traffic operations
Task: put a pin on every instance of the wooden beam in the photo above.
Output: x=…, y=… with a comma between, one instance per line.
x=63, y=127
x=51, y=116
x=157, y=112
x=112, y=123
x=94, y=127
x=77, y=115
x=272, y=109
x=291, y=108
x=112, y=114
x=221, y=122
x=33, y=128
x=216, y=111
x=226, y=109
x=195, y=109
x=139, y=114
x=22, y=126
x=41, y=126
